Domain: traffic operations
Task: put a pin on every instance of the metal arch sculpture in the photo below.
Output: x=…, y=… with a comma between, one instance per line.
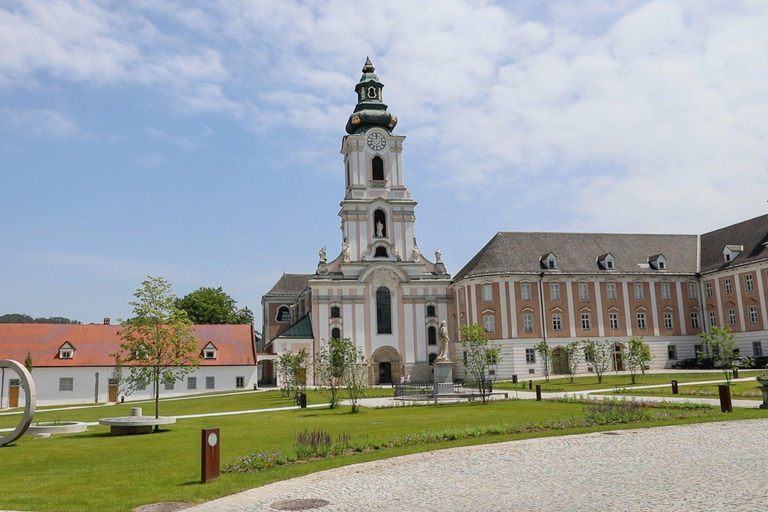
x=30, y=402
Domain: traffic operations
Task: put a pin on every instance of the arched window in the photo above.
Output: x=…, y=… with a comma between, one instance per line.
x=377, y=167
x=381, y=252
x=383, y=310
x=379, y=224
x=336, y=333
x=283, y=314
x=349, y=183
x=432, y=336
x=431, y=310
x=335, y=312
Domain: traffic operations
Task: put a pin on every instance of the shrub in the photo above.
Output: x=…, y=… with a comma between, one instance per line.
x=254, y=462
x=616, y=411
x=313, y=444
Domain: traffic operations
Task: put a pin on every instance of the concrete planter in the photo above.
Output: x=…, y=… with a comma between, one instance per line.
x=64, y=427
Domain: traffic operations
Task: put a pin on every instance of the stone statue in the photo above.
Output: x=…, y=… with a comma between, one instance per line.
x=379, y=229
x=444, y=340
x=398, y=256
x=346, y=252
x=408, y=193
x=416, y=255
x=322, y=254
x=366, y=255
x=438, y=255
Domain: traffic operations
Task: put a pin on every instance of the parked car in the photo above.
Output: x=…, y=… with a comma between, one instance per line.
x=761, y=362
x=686, y=364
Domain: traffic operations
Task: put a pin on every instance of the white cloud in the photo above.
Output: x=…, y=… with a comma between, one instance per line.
x=38, y=122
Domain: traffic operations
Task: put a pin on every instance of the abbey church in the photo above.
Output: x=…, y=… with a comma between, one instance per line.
x=390, y=297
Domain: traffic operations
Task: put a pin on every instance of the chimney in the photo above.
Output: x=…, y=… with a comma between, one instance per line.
x=106, y=320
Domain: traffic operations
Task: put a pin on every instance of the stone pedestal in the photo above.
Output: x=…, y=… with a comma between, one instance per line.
x=443, y=372
x=763, y=386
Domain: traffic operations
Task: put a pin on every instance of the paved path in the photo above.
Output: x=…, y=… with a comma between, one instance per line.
x=711, y=466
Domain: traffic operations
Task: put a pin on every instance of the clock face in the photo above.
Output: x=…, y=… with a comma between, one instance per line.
x=376, y=141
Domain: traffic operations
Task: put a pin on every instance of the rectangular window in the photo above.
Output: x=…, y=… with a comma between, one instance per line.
x=554, y=291
x=672, y=351
x=525, y=291
x=191, y=382
x=639, y=292
x=210, y=383
x=641, y=320
x=610, y=289
x=527, y=322
x=708, y=290
x=489, y=323
x=712, y=319
x=530, y=355
x=169, y=385
x=666, y=293
x=731, y=317
x=209, y=354
x=586, y=321
x=693, y=291
x=668, y=322
x=66, y=384
x=613, y=320
x=752, y=314
x=239, y=382
x=695, y=320
x=757, y=348
x=557, y=322
x=487, y=293
x=583, y=291
x=141, y=386
x=727, y=286
x=748, y=284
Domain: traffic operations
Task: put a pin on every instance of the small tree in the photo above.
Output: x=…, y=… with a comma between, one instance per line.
x=721, y=343
x=28, y=362
x=545, y=355
x=157, y=342
x=637, y=354
x=329, y=369
x=599, y=355
x=117, y=375
x=355, y=374
x=293, y=372
x=481, y=359
x=572, y=356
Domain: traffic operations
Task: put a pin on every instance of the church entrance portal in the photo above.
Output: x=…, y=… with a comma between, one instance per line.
x=386, y=366
x=385, y=373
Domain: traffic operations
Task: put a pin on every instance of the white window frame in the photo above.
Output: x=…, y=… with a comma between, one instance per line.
x=708, y=290
x=613, y=321
x=752, y=311
x=712, y=319
x=693, y=291
x=672, y=351
x=695, y=323
x=639, y=291
x=749, y=284
x=610, y=291
x=557, y=322
x=527, y=322
x=641, y=323
x=669, y=322
x=584, y=291
x=586, y=322
x=489, y=323
x=525, y=291
x=666, y=291
x=239, y=382
x=727, y=286
x=530, y=355
x=554, y=291
x=757, y=348
x=487, y=292
x=731, y=312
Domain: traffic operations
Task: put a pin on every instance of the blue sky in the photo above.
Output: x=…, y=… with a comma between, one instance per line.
x=199, y=141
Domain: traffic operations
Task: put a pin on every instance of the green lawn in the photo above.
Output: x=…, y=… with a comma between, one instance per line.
x=589, y=382
x=94, y=471
x=739, y=390
x=241, y=401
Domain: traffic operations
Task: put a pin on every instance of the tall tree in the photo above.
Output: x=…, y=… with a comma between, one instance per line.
x=213, y=306
x=481, y=357
x=721, y=343
x=158, y=343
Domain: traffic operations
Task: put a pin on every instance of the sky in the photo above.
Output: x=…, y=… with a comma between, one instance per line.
x=199, y=140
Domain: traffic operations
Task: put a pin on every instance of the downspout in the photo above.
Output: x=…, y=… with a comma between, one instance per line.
x=2, y=386
x=541, y=307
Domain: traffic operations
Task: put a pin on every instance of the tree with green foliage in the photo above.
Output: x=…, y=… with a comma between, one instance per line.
x=481, y=358
x=721, y=343
x=598, y=354
x=28, y=362
x=637, y=355
x=118, y=377
x=292, y=369
x=158, y=343
x=355, y=374
x=572, y=356
x=545, y=356
x=213, y=306
x=18, y=318
x=329, y=368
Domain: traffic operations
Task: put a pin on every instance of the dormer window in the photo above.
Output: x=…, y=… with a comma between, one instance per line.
x=607, y=261
x=658, y=262
x=731, y=252
x=66, y=351
x=549, y=261
x=209, y=351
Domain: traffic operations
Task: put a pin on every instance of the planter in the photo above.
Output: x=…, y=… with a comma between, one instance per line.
x=63, y=427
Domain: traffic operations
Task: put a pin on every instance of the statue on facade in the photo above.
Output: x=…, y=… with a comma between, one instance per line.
x=322, y=255
x=366, y=255
x=444, y=340
x=379, y=229
x=416, y=255
x=438, y=255
x=346, y=252
x=398, y=256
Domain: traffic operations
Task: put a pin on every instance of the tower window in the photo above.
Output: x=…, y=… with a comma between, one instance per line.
x=283, y=314
x=383, y=310
x=335, y=312
x=431, y=310
x=371, y=92
x=377, y=168
x=381, y=252
x=380, y=224
x=336, y=333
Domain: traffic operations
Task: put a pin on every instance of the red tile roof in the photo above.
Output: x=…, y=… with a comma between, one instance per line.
x=94, y=344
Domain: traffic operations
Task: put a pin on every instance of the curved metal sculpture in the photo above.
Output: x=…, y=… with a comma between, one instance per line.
x=30, y=402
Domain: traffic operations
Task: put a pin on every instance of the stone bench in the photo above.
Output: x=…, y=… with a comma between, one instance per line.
x=136, y=423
